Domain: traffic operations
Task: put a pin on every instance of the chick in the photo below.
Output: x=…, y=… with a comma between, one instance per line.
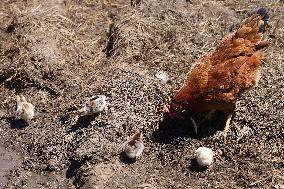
x=93, y=105
x=162, y=76
x=134, y=147
x=25, y=109
x=204, y=156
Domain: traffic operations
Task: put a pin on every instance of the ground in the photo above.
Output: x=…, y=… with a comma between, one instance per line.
x=57, y=53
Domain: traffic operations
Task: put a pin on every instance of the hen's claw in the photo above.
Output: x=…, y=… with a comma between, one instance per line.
x=221, y=135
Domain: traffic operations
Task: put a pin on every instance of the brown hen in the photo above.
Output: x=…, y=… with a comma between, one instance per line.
x=218, y=77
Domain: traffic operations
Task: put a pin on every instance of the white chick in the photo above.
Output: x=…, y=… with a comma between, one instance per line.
x=204, y=156
x=94, y=105
x=24, y=109
x=134, y=147
x=162, y=76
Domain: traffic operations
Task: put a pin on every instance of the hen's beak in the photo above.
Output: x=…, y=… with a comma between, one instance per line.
x=171, y=111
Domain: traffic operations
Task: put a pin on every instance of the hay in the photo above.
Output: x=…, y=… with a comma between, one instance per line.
x=71, y=50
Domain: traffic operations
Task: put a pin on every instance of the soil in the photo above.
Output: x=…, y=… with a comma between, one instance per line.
x=58, y=53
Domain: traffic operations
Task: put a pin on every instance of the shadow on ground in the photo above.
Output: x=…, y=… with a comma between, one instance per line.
x=17, y=123
x=83, y=122
x=123, y=158
x=183, y=127
x=194, y=167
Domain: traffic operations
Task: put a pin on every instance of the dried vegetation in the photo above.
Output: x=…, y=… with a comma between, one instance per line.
x=59, y=52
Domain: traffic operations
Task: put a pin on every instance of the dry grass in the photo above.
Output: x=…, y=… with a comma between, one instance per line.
x=65, y=51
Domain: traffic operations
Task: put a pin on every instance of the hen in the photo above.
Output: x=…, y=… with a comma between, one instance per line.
x=218, y=77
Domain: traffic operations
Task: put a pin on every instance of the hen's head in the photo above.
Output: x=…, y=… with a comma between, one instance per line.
x=173, y=109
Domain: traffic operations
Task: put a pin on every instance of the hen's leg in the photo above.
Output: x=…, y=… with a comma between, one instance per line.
x=227, y=126
x=223, y=134
x=210, y=115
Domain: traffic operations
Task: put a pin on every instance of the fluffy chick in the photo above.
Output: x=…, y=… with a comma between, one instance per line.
x=204, y=156
x=25, y=110
x=93, y=105
x=134, y=147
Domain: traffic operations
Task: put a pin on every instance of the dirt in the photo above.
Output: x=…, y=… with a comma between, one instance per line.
x=58, y=53
x=8, y=160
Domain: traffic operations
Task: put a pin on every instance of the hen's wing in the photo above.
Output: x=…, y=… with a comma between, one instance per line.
x=218, y=76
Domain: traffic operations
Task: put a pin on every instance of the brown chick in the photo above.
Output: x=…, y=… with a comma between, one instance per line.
x=134, y=147
x=218, y=77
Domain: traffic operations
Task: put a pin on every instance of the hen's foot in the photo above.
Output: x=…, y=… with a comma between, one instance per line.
x=223, y=134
